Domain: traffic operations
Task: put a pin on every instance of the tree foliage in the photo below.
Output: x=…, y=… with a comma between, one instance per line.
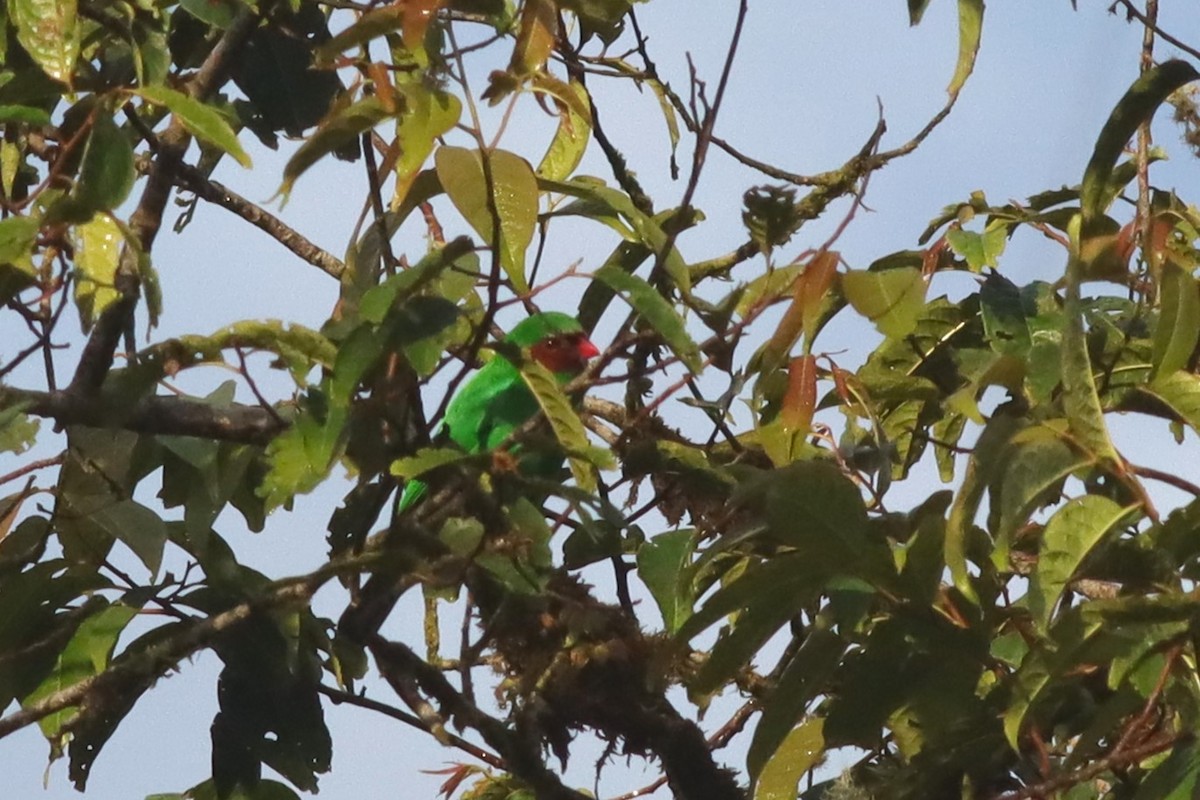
x=1025, y=631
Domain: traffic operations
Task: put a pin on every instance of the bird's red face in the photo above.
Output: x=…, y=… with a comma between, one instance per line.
x=564, y=352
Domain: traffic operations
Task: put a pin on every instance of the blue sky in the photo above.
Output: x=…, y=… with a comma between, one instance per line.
x=803, y=96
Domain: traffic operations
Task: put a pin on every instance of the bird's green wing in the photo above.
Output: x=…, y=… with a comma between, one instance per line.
x=485, y=412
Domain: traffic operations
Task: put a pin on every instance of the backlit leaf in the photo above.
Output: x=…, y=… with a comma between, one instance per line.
x=86, y=654
x=565, y=423
x=202, y=121
x=892, y=299
x=663, y=565
x=573, y=133
x=1178, y=326
x=341, y=127
x=97, y=255
x=512, y=208
x=1069, y=536
x=49, y=32
x=427, y=115
x=799, y=752
x=970, y=27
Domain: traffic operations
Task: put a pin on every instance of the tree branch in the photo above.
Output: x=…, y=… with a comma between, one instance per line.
x=194, y=181
x=178, y=416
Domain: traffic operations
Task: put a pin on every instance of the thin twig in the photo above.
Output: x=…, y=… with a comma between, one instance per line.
x=339, y=696
x=1132, y=11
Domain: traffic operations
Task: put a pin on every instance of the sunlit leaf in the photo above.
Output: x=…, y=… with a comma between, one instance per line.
x=970, y=27
x=565, y=423
x=97, y=256
x=1069, y=536
x=49, y=31
x=427, y=115
x=797, y=754
x=573, y=133
x=202, y=121
x=511, y=210
x=892, y=299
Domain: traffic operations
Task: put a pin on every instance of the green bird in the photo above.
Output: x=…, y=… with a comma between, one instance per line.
x=496, y=401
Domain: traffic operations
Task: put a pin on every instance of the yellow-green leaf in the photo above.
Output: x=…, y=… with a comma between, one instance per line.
x=799, y=753
x=970, y=28
x=1178, y=320
x=97, y=255
x=513, y=206
x=574, y=128
x=892, y=299
x=202, y=121
x=17, y=236
x=425, y=461
x=1069, y=536
x=49, y=32
x=567, y=427
x=661, y=315
x=333, y=132
x=427, y=115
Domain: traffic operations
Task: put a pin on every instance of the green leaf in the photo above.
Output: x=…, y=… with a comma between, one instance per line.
x=798, y=579
x=916, y=10
x=984, y=463
x=567, y=427
x=86, y=654
x=800, y=751
x=426, y=460
x=892, y=299
x=1137, y=106
x=663, y=565
x=1177, y=778
x=202, y=121
x=301, y=457
x=106, y=174
x=24, y=115
x=371, y=25
x=18, y=431
x=1080, y=400
x=49, y=32
x=607, y=205
x=97, y=256
x=573, y=134
x=813, y=507
x=979, y=249
x=1069, y=536
x=802, y=681
x=427, y=115
x=514, y=198
x=1180, y=392
x=655, y=309
x=218, y=13
x=17, y=238
x=1033, y=472
x=1178, y=327
x=970, y=28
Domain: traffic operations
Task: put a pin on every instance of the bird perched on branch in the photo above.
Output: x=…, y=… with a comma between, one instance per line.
x=496, y=401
